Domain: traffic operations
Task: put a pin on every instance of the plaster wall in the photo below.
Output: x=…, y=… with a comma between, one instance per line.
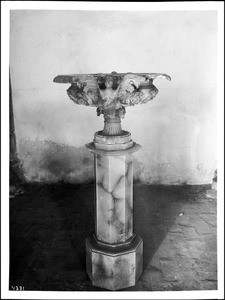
x=177, y=129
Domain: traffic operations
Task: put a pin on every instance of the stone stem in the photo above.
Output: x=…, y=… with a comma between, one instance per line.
x=112, y=126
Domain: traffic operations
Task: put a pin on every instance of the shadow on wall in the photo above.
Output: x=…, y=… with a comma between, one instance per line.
x=49, y=162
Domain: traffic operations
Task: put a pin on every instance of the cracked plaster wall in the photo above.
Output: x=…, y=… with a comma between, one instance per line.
x=177, y=130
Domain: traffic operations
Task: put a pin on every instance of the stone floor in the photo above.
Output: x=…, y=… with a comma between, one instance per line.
x=49, y=224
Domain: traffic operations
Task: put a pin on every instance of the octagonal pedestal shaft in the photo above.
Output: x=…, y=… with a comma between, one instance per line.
x=114, y=198
x=114, y=254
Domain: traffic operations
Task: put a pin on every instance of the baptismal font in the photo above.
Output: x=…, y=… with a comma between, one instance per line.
x=114, y=253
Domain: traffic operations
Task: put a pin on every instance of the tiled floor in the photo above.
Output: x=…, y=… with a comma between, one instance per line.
x=49, y=224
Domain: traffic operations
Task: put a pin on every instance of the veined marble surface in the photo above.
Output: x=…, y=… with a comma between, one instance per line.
x=114, y=198
x=118, y=272
x=114, y=269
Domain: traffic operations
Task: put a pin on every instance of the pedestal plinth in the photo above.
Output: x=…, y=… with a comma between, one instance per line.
x=114, y=267
x=114, y=254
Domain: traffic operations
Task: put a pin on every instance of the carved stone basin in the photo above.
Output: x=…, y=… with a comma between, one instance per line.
x=114, y=253
x=111, y=93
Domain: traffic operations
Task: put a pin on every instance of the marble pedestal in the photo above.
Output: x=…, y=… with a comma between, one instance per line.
x=114, y=254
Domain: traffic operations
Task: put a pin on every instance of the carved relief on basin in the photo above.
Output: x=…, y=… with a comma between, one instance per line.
x=111, y=93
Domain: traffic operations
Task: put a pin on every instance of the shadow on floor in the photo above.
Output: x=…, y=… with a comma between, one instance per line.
x=49, y=224
x=155, y=209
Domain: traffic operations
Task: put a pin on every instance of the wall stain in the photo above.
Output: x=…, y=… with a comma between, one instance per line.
x=51, y=162
x=138, y=168
x=48, y=161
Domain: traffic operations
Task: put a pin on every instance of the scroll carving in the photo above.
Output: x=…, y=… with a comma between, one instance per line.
x=111, y=93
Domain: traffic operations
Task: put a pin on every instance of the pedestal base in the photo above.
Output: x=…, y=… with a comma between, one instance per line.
x=114, y=267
